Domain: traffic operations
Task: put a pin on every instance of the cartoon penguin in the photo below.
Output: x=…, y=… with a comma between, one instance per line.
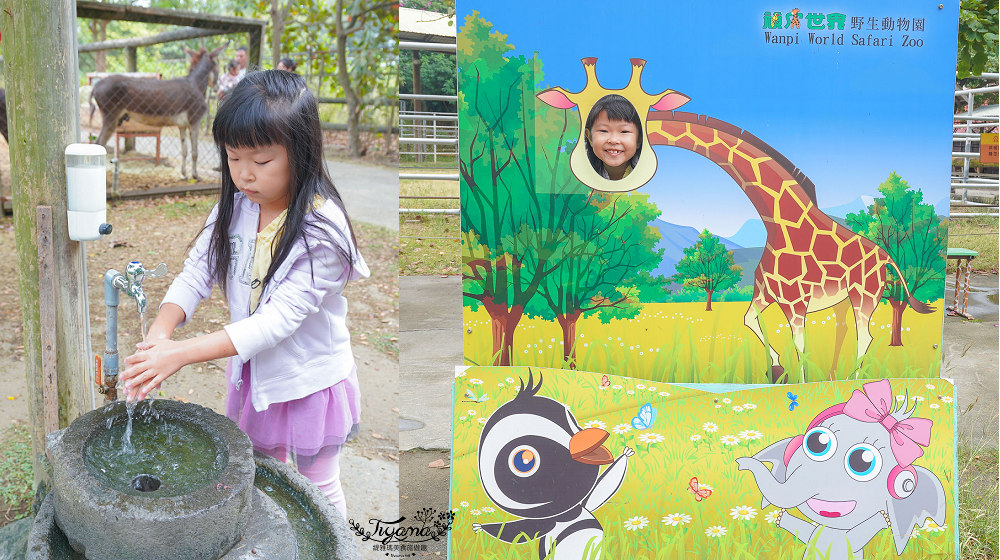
x=536, y=462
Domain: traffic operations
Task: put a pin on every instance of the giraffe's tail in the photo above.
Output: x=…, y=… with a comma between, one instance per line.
x=917, y=305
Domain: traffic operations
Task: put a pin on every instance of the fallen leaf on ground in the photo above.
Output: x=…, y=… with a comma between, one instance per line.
x=377, y=435
x=438, y=464
x=12, y=398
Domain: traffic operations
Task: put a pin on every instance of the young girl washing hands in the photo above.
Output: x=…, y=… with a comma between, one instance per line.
x=281, y=248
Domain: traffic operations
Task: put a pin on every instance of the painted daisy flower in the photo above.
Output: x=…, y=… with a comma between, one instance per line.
x=460, y=374
x=772, y=516
x=718, y=406
x=935, y=405
x=475, y=381
x=650, y=437
x=651, y=388
x=706, y=486
x=933, y=527
x=710, y=427
x=663, y=394
x=715, y=531
x=900, y=398
x=726, y=401
x=640, y=386
x=929, y=386
x=500, y=385
x=918, y=398
x=616, y=387
x=463, y=504
x=596, y=424
x=475, y=512
x=749, y=406
x=730, y=440
x=488, y=509
x=636, y=523
x=747, y=435
x=946, y=399
x=482, y=420
x=695, y=437
x=737, y=408
x=743, y=512
x=622, y=429
x=675, y=519
x=509, y=380
x=630, y=392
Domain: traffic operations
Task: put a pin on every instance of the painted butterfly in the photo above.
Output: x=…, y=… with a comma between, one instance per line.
x=471, y=397
x=645, y=418
x=699, y=493
x=794, y=399
x=605, y=382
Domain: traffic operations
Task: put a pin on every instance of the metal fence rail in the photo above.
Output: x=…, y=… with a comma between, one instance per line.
x=970, y=189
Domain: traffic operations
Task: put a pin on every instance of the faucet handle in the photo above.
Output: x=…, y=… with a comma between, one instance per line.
x=160, y=270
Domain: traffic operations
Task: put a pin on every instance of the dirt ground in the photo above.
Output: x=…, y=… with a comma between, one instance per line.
x=159, y=230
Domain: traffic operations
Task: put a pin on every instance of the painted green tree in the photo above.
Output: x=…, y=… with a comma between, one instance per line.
x=709, y=266
x=606, y=265
x=515, y=212
x=914, y=236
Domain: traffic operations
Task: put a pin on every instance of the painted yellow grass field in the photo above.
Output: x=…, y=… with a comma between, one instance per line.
x=695, y=434
x=683, y=343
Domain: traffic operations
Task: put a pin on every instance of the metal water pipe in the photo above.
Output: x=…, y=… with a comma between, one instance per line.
x=115, y=283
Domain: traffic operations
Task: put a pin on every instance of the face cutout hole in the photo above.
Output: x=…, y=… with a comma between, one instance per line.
x=613, y=135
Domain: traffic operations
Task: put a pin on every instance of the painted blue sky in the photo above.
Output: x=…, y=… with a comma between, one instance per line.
x=846, y=115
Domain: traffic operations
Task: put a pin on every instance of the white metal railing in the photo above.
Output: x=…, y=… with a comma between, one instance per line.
x=966, y=134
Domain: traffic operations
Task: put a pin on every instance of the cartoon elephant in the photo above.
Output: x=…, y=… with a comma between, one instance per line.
x=852, y=475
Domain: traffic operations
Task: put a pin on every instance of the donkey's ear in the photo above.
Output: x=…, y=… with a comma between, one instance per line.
x=927, y=500
x=215, y=52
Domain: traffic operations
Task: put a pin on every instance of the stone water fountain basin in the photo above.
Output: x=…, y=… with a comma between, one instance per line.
x=192, y=489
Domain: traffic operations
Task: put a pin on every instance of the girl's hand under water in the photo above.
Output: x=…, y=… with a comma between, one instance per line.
x=154, y=362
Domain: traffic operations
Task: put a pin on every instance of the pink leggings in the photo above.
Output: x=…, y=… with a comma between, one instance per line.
x=322, y=468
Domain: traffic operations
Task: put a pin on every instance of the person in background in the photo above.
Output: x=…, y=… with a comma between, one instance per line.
x=287, y=65
x=229, y=80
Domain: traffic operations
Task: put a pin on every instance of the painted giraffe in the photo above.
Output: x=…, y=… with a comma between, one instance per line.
x=585, y=100
x=810, y=262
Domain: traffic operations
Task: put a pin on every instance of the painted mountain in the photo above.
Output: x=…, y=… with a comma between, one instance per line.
x=676, y=238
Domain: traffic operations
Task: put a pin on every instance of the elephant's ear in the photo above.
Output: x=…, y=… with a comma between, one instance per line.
x=775, y=454
x=927, y=500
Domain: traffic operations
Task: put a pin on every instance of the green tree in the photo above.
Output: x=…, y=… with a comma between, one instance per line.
x=977, y=37
x=605, y=265
x=915, y=238
x=515, y=212
x=709, y=266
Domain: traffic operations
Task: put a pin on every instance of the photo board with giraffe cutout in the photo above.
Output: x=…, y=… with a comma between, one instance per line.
x=571, y=465
x=748, y=193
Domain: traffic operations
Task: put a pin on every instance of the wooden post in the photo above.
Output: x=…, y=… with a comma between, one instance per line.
x=131, y=65
x=47, y=320
x=40, y=67
x=254, y=55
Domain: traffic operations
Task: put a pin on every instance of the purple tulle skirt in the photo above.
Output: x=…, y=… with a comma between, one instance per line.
x=303, y=426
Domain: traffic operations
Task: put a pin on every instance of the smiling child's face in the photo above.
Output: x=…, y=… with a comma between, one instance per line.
x=614, y=143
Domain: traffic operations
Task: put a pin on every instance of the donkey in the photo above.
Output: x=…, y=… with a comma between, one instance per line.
x=178, y=102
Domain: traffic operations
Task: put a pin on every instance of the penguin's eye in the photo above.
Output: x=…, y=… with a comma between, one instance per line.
x=523, y=461
x=820, y=443
x=863, y=462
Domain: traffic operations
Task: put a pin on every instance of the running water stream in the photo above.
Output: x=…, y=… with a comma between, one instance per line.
x=130, y=403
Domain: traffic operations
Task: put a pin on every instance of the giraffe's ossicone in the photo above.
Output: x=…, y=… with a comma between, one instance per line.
x=584, y=100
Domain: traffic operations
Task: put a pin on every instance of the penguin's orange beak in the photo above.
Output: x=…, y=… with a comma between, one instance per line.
x=585, y=447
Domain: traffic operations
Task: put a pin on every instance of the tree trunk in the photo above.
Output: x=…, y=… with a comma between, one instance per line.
x=40, y=60
x=898, y=307
x=504, y=321
x=353, y=102
x=278, y=17
x=99, y=32
x=568, y=324
x=708, y=306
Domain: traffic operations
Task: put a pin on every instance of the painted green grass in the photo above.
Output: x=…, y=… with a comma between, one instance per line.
x=685, y=344
x=686, y=440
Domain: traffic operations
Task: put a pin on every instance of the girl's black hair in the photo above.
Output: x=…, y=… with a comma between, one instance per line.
x=275, y=108
x=232, y=64
x=289, y=64
x=618, y=109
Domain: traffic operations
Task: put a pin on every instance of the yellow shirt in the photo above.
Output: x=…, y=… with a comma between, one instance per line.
x=267, y=238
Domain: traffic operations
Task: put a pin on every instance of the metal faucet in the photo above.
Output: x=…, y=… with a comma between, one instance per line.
x=114, y=284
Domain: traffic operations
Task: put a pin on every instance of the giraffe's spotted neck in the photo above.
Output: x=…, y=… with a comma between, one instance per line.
x=770, y=181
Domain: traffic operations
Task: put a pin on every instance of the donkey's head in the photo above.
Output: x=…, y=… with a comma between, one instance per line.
x=585, y=101
x=203, y=67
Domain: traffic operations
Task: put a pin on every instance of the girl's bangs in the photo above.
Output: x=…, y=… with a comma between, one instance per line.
x=256, y=124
